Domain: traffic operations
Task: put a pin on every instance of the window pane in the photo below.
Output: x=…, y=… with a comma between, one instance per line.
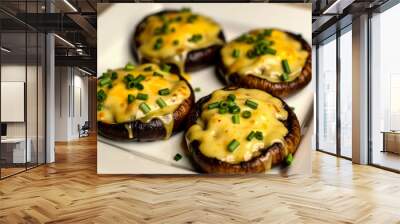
x=327, y=97
x=385, y=84
x=345, y=94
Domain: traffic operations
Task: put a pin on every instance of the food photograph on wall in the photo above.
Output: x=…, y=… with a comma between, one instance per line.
x=217, y=89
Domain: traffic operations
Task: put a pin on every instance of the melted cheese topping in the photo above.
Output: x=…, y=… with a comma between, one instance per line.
x=215, y=131
x=177, y=40
x=116, y=109
x=267, y=66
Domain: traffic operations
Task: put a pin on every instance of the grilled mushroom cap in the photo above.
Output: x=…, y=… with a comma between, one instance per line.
x=251, y=80
x=152, y=127
x=190, y=54
x=268, y=157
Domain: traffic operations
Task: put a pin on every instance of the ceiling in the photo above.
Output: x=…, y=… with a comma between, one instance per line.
x=74, y=22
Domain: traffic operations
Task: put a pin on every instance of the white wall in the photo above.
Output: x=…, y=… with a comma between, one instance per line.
x=70, y=84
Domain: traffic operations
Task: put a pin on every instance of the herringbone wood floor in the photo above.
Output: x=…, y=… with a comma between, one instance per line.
x=69, y=191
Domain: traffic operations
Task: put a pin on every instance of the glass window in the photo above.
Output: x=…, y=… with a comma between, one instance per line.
x=327, y=96
x=346, y=93
x=385, y=89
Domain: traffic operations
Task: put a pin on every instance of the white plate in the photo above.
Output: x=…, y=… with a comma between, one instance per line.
x=114, y=32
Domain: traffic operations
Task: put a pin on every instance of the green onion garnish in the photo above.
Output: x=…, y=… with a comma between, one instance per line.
x=105, y=81
x=213, y=105
x=158, y=44
x=114, y=75
x=251, y=135
x=285, y=65
x=235, y=53
x=164, y=92
x=177, y=157
x=197, y=89
x=246, y=114
x=195, y=38
x=101, y=95
x=223, y=104
x=289, y=159
x=100, y=106
x=259, y=135
x=191, y=18
x=251, y=104
x=129, y=66
x=139, y=78
x=144, y=108
x=234, y=109
x=161, y=103
x=139, y=86
x=236, y=119
x=267, y=32
x=231, y=97
x=157, y=74
x=231, y=103
x=142, y=96
x=284, y=76
x=175, y=42
x=148, y=69
x=165, y=68
x=233, y=145
x=131, y=98
x=270, y=51
x=222, y=110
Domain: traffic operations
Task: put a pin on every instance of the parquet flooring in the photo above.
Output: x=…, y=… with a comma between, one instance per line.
x=70, y=191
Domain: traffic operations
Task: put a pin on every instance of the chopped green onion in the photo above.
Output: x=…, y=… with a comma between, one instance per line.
x=234, y=109
x=165, y=68
x=129, y=66
x=110, y=85
x=173, y=29
x=114, y=75
x=100, y=106
x=161, y=103
x=284, y=76
x=195, y=38
x=231, y=103
x=246, y=114
x=223, y=104
x=231, y=97
x=105, y=81
x=191, y=18
x=270, y=51
x=175, y=42
x=222, y=110
x=235, y=53
x=285, y=65
x=213, y=105
x=251, y=54
x=267, y=32
x=197, y=89
x=148, y=69
x=233, y=145
x=131, y=98
x=128, y=78
x=139, y=86
x=158, y=44
x=251, y=104
x=130, y=85
x=251, y=135
x=101, y=95
x=177, y=157
x=164, y=92
x=139, y=78
x=157, y=74
x=142, y=96
x=144, y=108
x=259, y=135
x=289, y=159
x=236, y=119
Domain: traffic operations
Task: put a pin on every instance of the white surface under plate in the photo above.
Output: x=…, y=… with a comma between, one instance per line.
x=115, y=27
